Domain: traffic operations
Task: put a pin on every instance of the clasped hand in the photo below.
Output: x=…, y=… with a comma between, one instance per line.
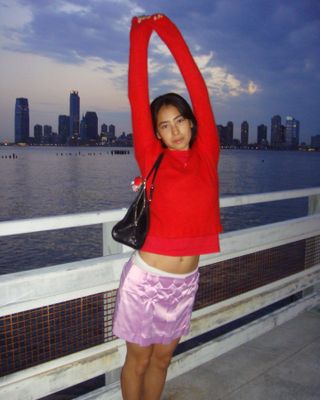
x=145, y=17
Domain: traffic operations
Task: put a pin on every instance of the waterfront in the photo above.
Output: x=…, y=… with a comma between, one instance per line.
x=46, y=181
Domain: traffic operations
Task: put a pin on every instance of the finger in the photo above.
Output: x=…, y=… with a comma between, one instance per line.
x=143, y=17
x=157, y=16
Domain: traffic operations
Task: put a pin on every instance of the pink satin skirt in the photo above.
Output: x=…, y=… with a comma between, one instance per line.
x=152, y=308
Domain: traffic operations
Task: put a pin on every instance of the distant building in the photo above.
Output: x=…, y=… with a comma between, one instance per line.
x=89, y=128
x=83, y=130
x=37, y=133
x=74, y=107
x=315, y=141
x=104, y=134
x=47, y=134
x=104, y=129
x=292, y=134
x=229, y=133
x=244, y=133
x=21, y=121
x=92, y=126
x=282, y=136
x=262, y=134
x=222, y=135
x=276, y=132
x=63, y=128
x=112, y=132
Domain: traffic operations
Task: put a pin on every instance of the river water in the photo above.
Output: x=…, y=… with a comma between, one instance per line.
x=49, y=181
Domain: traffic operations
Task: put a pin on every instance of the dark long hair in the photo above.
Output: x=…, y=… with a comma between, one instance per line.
x=174, y=99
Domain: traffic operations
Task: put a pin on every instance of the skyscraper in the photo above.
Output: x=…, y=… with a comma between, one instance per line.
x=229, y=132
x=222, y=135
x=37, y=133
x=74, y=114
x=315, y=141
x=63, y=128
x=244, y=133
x=104, y=129
x=262, y=134
x=112, y=131
x=92, y=125
x=47, y=134
x=21, y=120
x=89, y=127
x=276, y=131
x=292, y=132
x=83, y=130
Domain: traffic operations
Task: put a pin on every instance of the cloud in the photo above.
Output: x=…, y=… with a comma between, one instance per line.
x=14, y=17
x=71, y=8
x=69, y=31
x=221, y=83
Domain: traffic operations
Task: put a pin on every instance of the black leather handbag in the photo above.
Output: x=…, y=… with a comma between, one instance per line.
x=133, y=228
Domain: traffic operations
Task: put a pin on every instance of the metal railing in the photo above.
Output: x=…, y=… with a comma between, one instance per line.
x=56, y=322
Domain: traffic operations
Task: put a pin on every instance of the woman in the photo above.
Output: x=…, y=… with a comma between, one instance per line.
x=159, y=283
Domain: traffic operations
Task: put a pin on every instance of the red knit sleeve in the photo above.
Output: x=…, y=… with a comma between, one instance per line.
x=145, y=143
x=207, y=139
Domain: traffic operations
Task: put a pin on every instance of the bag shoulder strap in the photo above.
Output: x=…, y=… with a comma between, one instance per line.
x=154, y=170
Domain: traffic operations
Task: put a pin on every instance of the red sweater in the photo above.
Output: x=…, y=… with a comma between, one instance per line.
x=185, y=217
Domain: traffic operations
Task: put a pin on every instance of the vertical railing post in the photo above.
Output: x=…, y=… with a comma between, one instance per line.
x=314, y=204
x=109, y=246
x=313, y=208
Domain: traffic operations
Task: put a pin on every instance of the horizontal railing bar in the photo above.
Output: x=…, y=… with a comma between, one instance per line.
x=250, y=240
x=31, y=225
x=58, y=374
x=35, y=288
x=231, y=309
x=27, y=290
x=232, y=201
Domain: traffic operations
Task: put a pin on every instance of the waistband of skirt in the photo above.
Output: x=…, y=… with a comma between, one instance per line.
x=140, y=263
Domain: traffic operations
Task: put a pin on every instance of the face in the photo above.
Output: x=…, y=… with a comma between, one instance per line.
x=173, y=129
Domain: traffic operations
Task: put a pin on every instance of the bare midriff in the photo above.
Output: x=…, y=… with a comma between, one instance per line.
x=173, y=264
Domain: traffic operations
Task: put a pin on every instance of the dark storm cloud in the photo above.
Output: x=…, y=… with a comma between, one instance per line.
x=71, y=30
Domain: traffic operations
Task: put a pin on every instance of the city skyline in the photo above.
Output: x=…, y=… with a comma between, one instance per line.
x=71, y=130
x=259, y=59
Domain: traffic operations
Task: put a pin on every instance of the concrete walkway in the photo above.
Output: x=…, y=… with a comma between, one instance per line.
x=283, y=364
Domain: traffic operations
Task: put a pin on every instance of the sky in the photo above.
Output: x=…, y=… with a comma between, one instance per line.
x=259, y=58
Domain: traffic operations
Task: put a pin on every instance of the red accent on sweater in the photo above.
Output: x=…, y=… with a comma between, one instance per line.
x=186, y=198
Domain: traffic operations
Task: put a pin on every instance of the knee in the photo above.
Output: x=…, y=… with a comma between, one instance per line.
x=138, y=364
x=161, y=361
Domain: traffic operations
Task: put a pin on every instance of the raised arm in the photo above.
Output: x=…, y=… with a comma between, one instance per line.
x=138, y=90
x=207, y=138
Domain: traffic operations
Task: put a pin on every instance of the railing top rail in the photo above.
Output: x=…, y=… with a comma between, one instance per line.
x=31, y=225
x=231, y=201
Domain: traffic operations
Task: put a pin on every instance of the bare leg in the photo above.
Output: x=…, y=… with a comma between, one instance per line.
x=133, y=371
x=155, y=375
